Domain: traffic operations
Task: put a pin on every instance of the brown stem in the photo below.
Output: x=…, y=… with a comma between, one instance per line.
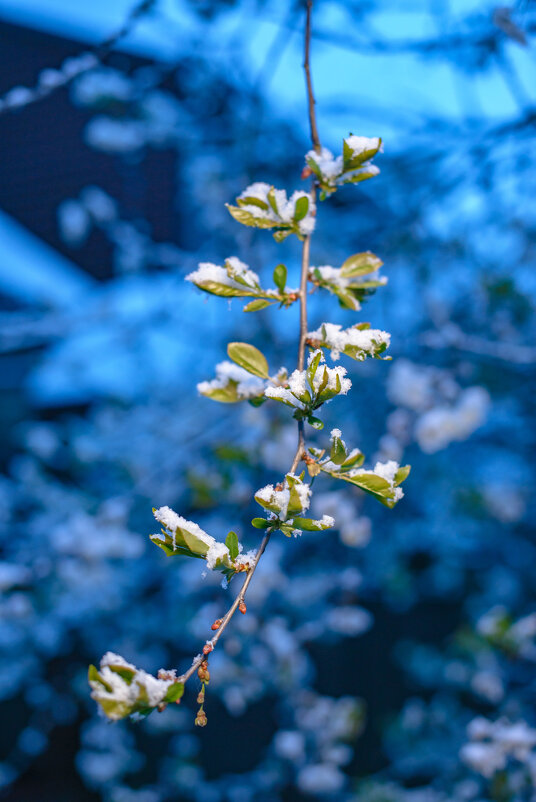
x=304, y=278
x=309, y=81
x=231, y=611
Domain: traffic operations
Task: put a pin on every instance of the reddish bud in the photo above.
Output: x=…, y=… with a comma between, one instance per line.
x=216, y=624
x=207, y=648
x=242, y=607
x=306, y=173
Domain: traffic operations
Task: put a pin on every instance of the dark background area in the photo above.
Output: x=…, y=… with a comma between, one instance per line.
x=365, y=653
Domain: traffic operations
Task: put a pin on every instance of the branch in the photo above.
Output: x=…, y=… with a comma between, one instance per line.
x=309, y=81
x=305, y=263
x=230, y=612
x=50, y=80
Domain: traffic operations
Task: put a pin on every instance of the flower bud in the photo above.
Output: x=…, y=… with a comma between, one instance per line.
x=207, y=648
x=242, y=607
x=216, y=624
x=201, y=719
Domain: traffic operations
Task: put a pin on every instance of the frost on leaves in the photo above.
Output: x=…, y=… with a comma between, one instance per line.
x=122, y=690
x=119, y=687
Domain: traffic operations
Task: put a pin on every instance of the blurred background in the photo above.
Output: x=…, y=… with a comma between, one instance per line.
x=392, y=660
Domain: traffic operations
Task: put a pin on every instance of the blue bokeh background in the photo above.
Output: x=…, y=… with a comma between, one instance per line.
x=367, y=653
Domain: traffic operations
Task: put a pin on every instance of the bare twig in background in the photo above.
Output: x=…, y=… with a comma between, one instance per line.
x=51, y=80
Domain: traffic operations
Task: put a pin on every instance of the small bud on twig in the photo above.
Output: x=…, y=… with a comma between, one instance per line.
x=242, y=607
x=216, y=624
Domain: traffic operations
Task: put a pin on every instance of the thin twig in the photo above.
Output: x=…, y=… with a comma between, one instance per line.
x=308, y=79
x=231, y=611
x=304, y=279
x=51, y=80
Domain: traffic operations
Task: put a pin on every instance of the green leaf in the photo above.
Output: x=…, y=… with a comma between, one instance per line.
x=301, y=208
x=167, y=546
x=124, y=672
x=338, y=451
x=316, y=423
x=252, y=201
x=194, y=543
x=309, y=525
x=257, y=401
x=353, y=461
x=249, y=358
x=272, y=201
x=231, y=541
x=256, y=306
x=372, y=483
x=286, y=529
x=223, y=290
x=174, y=692
x=360, y=264
x=402, y=473
x=226, y=395
x=367, y=171
x=280, y=277
x=295, y=503
x=313, y=468
x=113, y=709
x=282, y=234
x=260, y=523
x=347, y=154
x=346, y=298
x=249, y=219
x=323, y=382
x=351, y=161
x=94, y=676
x=313, y=367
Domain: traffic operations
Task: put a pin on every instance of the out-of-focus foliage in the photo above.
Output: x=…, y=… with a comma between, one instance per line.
x=407, y=674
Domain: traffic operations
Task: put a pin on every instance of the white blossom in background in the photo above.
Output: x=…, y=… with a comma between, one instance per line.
x=442, y=425
x=445, y=413
x=493, y=743
x=354, y=529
